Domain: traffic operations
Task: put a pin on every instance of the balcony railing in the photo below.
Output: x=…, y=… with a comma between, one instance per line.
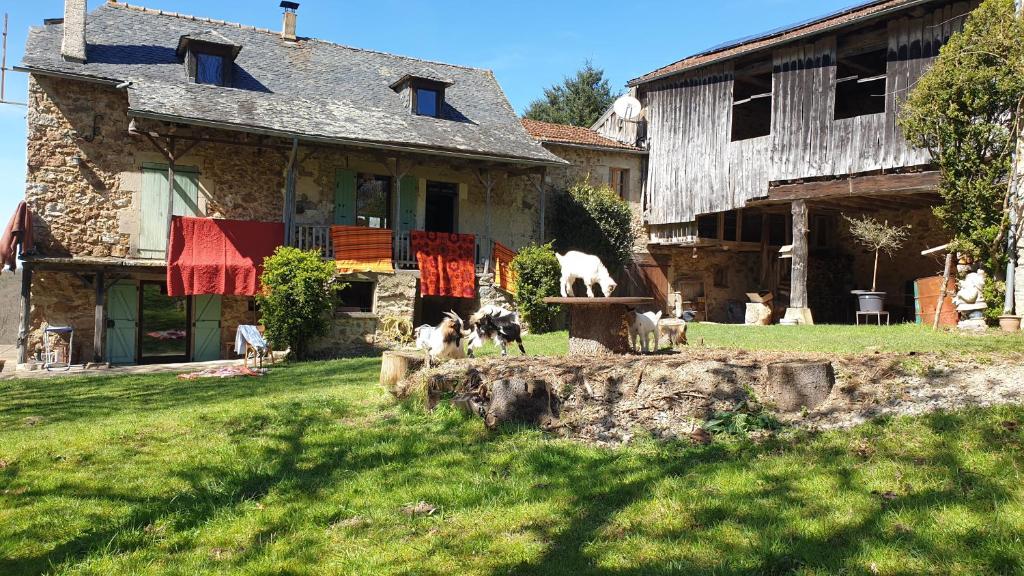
x=312, y=237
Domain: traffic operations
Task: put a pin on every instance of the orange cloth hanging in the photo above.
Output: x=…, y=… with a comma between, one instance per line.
x=446, y=263
x=362, y=249
x=504, y=277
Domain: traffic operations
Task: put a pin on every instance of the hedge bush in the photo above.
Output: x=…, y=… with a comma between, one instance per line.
x=297, y=298
x=538, y=278
x=594, y=220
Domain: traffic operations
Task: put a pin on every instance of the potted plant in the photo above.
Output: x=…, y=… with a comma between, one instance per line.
x=877, y=237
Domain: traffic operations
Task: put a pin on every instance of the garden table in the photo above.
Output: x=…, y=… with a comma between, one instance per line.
x=599, y=325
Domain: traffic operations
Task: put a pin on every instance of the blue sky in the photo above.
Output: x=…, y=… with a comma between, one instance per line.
x=529, y=44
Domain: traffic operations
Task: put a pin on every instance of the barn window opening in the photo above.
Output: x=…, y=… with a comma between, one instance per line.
x=356, y=296
x=707, y=226
x=860, y=83
x=751, y=228
x=730, y=224
x=752, y=102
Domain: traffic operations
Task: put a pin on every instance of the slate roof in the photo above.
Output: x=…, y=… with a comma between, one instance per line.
x=574, y=135
x=313, y=89
x=775, y=38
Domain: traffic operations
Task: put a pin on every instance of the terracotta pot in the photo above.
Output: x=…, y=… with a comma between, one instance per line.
x=1009, y=323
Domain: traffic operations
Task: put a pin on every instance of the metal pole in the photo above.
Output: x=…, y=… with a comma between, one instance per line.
x=289, y=197
x=1014, y=204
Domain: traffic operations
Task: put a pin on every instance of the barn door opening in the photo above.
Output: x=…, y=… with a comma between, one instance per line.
x=442, y=203
x=163, y=325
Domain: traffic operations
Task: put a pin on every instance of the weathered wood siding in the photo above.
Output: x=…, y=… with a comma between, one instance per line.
x=695, y=169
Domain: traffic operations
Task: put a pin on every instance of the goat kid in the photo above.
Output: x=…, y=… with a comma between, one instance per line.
x=446, y=338
x=577, y=265
x=497, y=324
x=643, y=326
x=423, y=335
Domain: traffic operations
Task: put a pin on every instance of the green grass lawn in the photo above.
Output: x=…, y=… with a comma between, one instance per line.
x=307, y=471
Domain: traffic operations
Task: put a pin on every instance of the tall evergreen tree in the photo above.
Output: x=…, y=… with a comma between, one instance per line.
x=579, y=100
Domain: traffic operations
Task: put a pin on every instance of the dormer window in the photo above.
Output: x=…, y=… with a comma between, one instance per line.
x=423, y=92
x=210, y=69
x=427, y=102
x=209, y=57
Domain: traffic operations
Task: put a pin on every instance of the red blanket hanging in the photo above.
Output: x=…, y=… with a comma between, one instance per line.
x=446, y=263
x=207, y=256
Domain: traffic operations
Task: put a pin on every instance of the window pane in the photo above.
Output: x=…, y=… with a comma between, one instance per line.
x=209, y=69
x=372, y=201
x=426, y=102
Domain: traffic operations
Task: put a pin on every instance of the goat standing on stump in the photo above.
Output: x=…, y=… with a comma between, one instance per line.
x=577, y=265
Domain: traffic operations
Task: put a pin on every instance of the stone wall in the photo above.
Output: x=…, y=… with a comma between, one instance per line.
x=234, y=310
x=593, y=166
x=737, y=273
x=63, y=299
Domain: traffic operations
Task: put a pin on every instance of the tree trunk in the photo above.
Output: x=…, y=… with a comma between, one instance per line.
x=874, y=274
x=798, y=288
x=396, y=365
x=794, y=386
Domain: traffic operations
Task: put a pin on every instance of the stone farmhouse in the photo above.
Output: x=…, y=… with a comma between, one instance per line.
x=765, y=143
x=252, y=125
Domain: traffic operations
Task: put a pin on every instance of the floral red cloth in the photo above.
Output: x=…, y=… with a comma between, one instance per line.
x=446, y=263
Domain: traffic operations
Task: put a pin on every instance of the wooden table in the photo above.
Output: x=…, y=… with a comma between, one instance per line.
x=599, y=325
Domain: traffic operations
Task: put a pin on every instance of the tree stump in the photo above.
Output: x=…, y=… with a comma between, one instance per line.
x=395, y=365
x=792, y=386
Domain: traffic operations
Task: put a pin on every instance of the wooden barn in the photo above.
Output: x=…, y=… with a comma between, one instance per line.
x=767, y=142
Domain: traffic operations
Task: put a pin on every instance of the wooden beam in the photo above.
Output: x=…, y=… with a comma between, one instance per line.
x=26, y=312
x=877, y=185
x=100, y=320
x=289, y=196
x=798, y=288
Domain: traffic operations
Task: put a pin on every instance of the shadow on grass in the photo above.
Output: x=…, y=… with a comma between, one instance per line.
x=92, y=397
x=300, y=454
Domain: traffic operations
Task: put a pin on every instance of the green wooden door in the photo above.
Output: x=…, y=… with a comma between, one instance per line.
x=206, y=327
x=345, y=197
x=153, y=229
x=408, y=191
x=122, y=322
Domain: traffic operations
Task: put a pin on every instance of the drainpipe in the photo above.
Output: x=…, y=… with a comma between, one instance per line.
x=1014, y=204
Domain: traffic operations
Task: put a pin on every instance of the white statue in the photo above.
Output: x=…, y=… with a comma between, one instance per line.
x=969, y=298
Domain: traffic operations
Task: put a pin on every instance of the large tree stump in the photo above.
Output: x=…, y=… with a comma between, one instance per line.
x=792, y=386
x=599, y=325
x=396, y=365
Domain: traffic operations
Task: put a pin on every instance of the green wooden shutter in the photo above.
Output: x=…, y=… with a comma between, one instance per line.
x=153, y=229
x=408, y=191
x=205, y=327
x=122, y=322
x=345, y=197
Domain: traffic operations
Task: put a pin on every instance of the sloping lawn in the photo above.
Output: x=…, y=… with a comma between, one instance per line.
x=307, y=471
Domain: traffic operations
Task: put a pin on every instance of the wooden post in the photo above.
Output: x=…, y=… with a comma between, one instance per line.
x=26, y=312
x=946, y=271
x=487, y=180
x=543, y=204
x=170, y=191
x=289, y=196
x=798, y=280
x=97, y=337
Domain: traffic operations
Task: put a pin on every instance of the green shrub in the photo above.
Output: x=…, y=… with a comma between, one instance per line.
x=596, y=221
x=538, y=278
x=297, y=297
x=994, y=291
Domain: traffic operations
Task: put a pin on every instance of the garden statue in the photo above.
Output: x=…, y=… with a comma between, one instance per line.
x=970, y=301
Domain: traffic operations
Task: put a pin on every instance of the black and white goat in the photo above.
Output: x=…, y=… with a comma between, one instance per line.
x=497, y=324
x=445, y=340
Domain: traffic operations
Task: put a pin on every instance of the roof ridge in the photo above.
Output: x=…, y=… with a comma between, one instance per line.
x=157, y=12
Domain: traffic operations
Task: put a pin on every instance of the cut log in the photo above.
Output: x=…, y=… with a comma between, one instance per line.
x=395, y=365
x=793, y=386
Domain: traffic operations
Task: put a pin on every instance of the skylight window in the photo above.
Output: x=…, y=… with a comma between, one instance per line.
x=427, y=102
x=209, y=69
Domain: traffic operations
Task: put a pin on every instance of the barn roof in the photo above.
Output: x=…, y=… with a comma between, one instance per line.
x=309, y=88
x=774, y=38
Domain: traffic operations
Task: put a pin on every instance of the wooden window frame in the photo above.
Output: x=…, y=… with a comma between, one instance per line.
x=436, y=87
x=223, y=52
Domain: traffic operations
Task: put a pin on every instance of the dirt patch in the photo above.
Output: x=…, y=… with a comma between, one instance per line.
x=610, y=399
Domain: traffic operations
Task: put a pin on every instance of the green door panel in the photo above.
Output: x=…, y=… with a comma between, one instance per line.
x=345, y=197
x=408, y=191
x=122, y=322
x=206, y=327
x=153, y=228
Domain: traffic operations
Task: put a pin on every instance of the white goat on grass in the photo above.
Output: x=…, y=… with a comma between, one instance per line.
x=577, y=265
x=643, y=326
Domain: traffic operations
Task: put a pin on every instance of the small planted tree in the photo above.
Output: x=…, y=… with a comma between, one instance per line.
x=297, y=298
x=877, y=237
x=538, y=275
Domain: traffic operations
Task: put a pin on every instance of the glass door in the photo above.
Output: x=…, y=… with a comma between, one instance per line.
x=163, y=325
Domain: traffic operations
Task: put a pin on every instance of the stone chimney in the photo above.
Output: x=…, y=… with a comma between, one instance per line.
x=288, y=27
x=72, y=48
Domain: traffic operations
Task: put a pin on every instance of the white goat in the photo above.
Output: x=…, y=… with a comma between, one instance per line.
x=643, y=326
x=446, y=338
x=577, y=265
x=424, y=334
